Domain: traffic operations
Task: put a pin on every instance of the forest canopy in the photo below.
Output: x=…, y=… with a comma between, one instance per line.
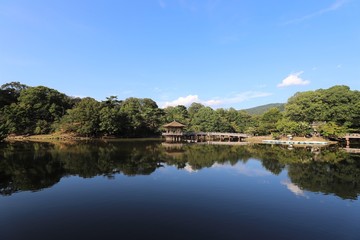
x=26, y=110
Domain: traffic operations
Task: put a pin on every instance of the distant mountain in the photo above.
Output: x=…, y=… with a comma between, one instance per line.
x=263, y=108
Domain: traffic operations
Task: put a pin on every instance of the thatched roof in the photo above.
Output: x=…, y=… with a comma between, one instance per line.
x=174, y=124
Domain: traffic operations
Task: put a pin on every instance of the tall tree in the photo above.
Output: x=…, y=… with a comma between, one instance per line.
x=178, y=113
x=112, y=120
x=9, y=93
x=208, y=120
x=337, y=104
x=194, y=108
x=267, y=121
x=240, y=121
x=143, y=115
x=36, y=110
x=84, y=118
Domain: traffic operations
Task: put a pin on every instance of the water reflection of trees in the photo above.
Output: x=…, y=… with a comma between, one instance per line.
x=27, y=167
x=34, y=166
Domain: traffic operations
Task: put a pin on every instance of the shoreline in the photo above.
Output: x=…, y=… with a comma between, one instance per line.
x=70, y=137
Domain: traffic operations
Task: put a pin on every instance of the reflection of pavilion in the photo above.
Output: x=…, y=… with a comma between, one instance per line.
x=172, y=146
x=352, y=150
x=174, y=149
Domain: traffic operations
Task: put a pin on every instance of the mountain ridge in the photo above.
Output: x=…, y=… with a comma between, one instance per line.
x=263, y=108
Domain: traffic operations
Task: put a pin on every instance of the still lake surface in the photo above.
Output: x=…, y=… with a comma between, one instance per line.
x=150, y=190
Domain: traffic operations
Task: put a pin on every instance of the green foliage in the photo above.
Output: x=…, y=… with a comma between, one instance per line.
x=3, y=131
x=243, y=121
x=112, y=120
x=201, y=118
x=9, y=93
x=36, y=109
x=143, y=116
x=194, y=108
x=41, y=110
x=259, y=110
x=208, y=120
x=84, y=118
x=178, y=113
x=285, y=126
x=332, y=130
x=267, y=121
x=337, y=104
x=276, y=135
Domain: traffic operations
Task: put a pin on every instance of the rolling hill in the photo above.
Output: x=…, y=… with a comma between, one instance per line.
x=263, y=108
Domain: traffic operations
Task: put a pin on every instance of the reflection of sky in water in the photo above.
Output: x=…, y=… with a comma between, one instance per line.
x=224, y=201
x=294, y=188
x=189, y=169
x=251, y=168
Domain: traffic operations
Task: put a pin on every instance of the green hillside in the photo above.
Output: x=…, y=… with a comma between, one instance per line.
x=263, y=108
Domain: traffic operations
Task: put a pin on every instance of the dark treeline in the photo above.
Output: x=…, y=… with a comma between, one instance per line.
x=28, y=110
x=35, y=166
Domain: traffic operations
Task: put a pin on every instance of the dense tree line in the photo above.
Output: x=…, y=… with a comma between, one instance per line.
x=42, y=110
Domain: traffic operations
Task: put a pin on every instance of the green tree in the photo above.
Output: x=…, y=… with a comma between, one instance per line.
x=240, y=121
x=337, y=104
x=36, y=110
x=9, y=93
x=143, y=115
x=194, y=108
x=285, y=126
x=267, y=121
x=178, y=113
x=152, y=115
x=208, y=120
x=112, y=120
x=84, y=118
x=332, y=130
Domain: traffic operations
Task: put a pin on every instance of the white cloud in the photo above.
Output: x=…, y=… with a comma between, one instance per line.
x=212, y=102
x=335, y=6
x=186, y=101
x=237, y=98
x=293, y=79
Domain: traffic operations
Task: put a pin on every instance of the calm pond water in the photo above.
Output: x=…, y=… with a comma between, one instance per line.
x=148, y=190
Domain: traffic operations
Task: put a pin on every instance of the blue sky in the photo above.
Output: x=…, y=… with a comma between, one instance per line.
x=222, y=53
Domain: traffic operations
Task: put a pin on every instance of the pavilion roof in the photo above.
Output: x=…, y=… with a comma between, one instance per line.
x=174, y=124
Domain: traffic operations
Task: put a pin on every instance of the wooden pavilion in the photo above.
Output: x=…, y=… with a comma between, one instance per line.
x=174, y=132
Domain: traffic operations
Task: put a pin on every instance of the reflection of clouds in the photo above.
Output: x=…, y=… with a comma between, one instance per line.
x=189, y=169
x=250, y=170
x=294, y=188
